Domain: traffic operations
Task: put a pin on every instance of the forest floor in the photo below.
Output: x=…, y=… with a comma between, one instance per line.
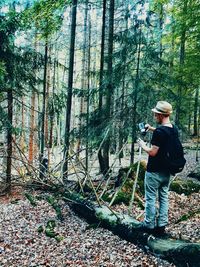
x=80, y=245
x=21, y=244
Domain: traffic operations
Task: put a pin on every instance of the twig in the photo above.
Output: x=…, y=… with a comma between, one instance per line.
x=135, y=182
x=117, y=191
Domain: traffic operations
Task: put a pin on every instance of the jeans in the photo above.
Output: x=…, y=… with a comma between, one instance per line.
x=156, y=185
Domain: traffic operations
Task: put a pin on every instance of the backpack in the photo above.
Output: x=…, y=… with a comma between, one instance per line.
x=174, y=154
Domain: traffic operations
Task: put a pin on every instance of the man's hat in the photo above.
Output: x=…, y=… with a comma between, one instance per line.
x=163, y=107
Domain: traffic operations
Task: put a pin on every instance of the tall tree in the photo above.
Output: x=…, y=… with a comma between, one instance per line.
x=83, y=78
x=70, y=86
x=101, y=71
x=42, y=134
x=104, y=158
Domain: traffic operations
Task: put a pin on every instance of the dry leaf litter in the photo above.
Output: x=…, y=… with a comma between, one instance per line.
x=22, y=245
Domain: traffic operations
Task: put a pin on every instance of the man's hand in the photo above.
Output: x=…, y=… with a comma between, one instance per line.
x=149, y=127
x=141, y=143
x=152, y=151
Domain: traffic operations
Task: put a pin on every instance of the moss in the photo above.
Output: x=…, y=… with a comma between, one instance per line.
x=107, y=197
x=52, y=201
x=184, y=187
x=59, y=238
x=92, y=226
x=49, y=229
x=40, y=229
x=122, y=197
x=15, y=201
x=105, y=214
x=125, y=185
x=132, y=174
x=31, y=198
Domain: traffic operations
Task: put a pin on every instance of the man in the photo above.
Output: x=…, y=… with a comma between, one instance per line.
x=157, y=176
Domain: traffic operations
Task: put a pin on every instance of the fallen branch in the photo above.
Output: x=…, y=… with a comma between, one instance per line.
x=180, y=252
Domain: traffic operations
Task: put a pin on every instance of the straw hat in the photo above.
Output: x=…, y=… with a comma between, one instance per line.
x=163, y=107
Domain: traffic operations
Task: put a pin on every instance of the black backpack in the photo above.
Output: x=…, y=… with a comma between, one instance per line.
x=174, y=155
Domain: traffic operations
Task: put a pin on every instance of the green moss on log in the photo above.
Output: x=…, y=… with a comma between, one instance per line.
x=186, y=187
x=180, y=252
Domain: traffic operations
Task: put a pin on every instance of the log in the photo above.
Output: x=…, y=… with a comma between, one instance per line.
x=181, y=253
x=195, y=174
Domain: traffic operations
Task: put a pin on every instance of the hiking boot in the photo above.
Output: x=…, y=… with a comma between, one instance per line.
x=145, y=229
x=161, y=233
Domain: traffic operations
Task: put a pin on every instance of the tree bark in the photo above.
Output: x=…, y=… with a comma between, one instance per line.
x=100, y=157
x=104, y=151
x=135, y=97
x=83, y=79
x=88, y=95
x=48, y=81
x=69, y=93
x=9, y=140
x=42, y=135
x=102, y=57
x=196, y=105
x=32, y=129
x=181, y=65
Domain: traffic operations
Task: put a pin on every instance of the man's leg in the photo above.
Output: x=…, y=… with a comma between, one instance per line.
x=151, y=188
x=163, y=201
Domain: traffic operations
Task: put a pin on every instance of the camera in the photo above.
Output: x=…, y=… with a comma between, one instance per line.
x=143, y=129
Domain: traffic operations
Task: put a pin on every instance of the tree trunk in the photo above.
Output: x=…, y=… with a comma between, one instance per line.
x=122, y=137
x=22, y=143
x=9, y=141
x=88, y=95
x=69, y=93
x=52, y=116
x=100, y=157
x=32, y=116
x=181, y=66
x=83, y=78
x=42, y=135
x=46, y=128
x=109, y=92
x=135, y=98
x=102, y=57
x=32, y=129
x=196, y=105
x=179, y=252
x=160, y=32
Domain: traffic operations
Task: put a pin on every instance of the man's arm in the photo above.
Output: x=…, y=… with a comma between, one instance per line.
x=149, y=127
x=152, y=151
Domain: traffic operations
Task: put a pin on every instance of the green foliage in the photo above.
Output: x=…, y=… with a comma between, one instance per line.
x=186, y=187
x=47, y=15
x=15, y=201
x=187, y=216
x=53, y=202
x=50, y=232
x=122, y=197
x=31, y=198
x=125, y=192
x=56, y=103
x=2, y=70
x=40, y=229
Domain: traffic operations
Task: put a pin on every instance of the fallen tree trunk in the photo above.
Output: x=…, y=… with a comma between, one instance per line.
x=179, y=252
